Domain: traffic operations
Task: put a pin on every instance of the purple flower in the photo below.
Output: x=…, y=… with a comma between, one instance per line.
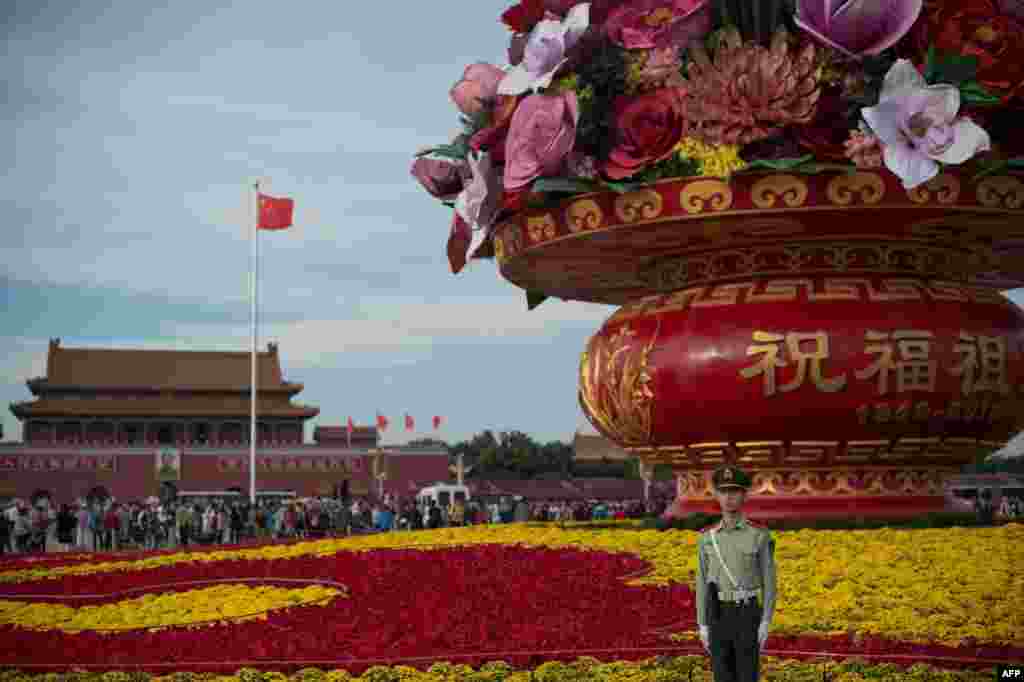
x=545, y=51
x=917, y=125
x=858, y=27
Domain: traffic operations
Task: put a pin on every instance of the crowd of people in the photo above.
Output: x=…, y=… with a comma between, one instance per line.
x=112, y=526
x=1010, y=507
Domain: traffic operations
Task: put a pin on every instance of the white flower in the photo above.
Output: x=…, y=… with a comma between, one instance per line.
x=545, y=51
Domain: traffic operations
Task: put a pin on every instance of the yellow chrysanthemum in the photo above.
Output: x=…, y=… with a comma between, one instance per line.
x=233, y=602
x=719, y=161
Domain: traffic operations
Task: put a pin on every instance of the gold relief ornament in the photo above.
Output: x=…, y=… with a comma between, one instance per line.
x=868, y=187
x=706, y=195
x=943, y=188
x=584, y=214
x=1004, y=191
x=615, y=385
x=644, y=204
x=541, y=227
x=499, y=249
x=789, y=188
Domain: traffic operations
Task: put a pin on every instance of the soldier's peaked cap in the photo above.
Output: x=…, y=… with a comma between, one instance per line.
x=730, y=477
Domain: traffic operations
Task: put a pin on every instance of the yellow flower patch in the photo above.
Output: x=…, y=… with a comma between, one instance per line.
x=193, y=607
x=929, y=585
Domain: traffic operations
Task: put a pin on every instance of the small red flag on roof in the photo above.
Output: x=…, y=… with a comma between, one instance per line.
x=437, y=423
x=275, y=213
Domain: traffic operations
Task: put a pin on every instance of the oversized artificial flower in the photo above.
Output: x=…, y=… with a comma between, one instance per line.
x=479, y=83
x=545, y=51
x=541, y=135
x=864, y=150
x=647, y=129
x=492, y=138
x=441, y=177
x=978, y=28
x=658, y=23
x=522, y=16
x=918, y=126
x=479, y=200
x=858, y=27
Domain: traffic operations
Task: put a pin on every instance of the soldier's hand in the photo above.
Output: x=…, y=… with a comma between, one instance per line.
x=705, y=637
x=762, y=635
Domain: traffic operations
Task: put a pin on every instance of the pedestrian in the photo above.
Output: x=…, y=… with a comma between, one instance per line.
x=736, y=583
x=66, y=523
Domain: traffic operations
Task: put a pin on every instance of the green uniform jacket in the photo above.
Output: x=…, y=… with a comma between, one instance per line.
x=750, y=552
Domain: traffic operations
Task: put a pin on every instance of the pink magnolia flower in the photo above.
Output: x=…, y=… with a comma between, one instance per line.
x=858, y=27
x=918, y=126
x=479, y=83
x=541, y=135
x=658, y=23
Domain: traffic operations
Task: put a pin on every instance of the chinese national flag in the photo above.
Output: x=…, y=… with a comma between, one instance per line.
x=409, y=424
x=351, y=427
x=437, y=423
x=382, y=422
x=275, y=214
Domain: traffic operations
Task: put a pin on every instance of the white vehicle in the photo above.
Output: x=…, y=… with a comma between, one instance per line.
x=442, y=494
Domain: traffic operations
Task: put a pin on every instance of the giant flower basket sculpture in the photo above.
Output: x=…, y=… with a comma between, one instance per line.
x=807, y=213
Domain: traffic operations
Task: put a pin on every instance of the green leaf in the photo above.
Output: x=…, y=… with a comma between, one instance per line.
x=534, y=299
x=990, y=168
x=973, y=92
x=950, y=68
x=814, y=168
x=779, y=164
x=622, y=187
x=568, y=185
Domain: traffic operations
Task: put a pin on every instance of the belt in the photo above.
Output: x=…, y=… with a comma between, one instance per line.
x=738, y=595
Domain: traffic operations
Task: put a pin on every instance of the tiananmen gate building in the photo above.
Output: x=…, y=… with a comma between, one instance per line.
x=142, y=422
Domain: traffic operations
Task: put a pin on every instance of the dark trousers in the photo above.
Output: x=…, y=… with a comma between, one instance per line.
x=734, y=649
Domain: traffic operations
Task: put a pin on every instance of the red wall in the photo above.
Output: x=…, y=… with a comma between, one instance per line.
x=134, y=476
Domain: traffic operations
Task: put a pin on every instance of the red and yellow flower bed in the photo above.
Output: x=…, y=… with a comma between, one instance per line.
x=520, y=593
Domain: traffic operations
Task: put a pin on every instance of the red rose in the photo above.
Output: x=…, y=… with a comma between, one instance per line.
x=647, y=129
x=978, y=28
x=522, y=16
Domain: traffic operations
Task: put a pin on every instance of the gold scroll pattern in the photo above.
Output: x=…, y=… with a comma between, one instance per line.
x=1004, y=191
x=790, y=189
x=843, y=482
x=615, y=385
x=541, y=227
x=868, y=188
x=643, y=204
x=706, y=196
x=943, y=189
x=584, y=214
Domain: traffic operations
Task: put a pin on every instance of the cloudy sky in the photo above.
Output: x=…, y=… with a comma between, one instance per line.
x=132, y=133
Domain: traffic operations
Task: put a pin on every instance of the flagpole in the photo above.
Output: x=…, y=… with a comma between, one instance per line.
x=252, y=402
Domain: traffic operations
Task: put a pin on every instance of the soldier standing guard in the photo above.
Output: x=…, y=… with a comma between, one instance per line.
x=735, y=583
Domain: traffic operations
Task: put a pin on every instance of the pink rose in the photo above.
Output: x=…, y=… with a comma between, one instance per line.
x=658, y=23
x=541, y=135
x=479, y=83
